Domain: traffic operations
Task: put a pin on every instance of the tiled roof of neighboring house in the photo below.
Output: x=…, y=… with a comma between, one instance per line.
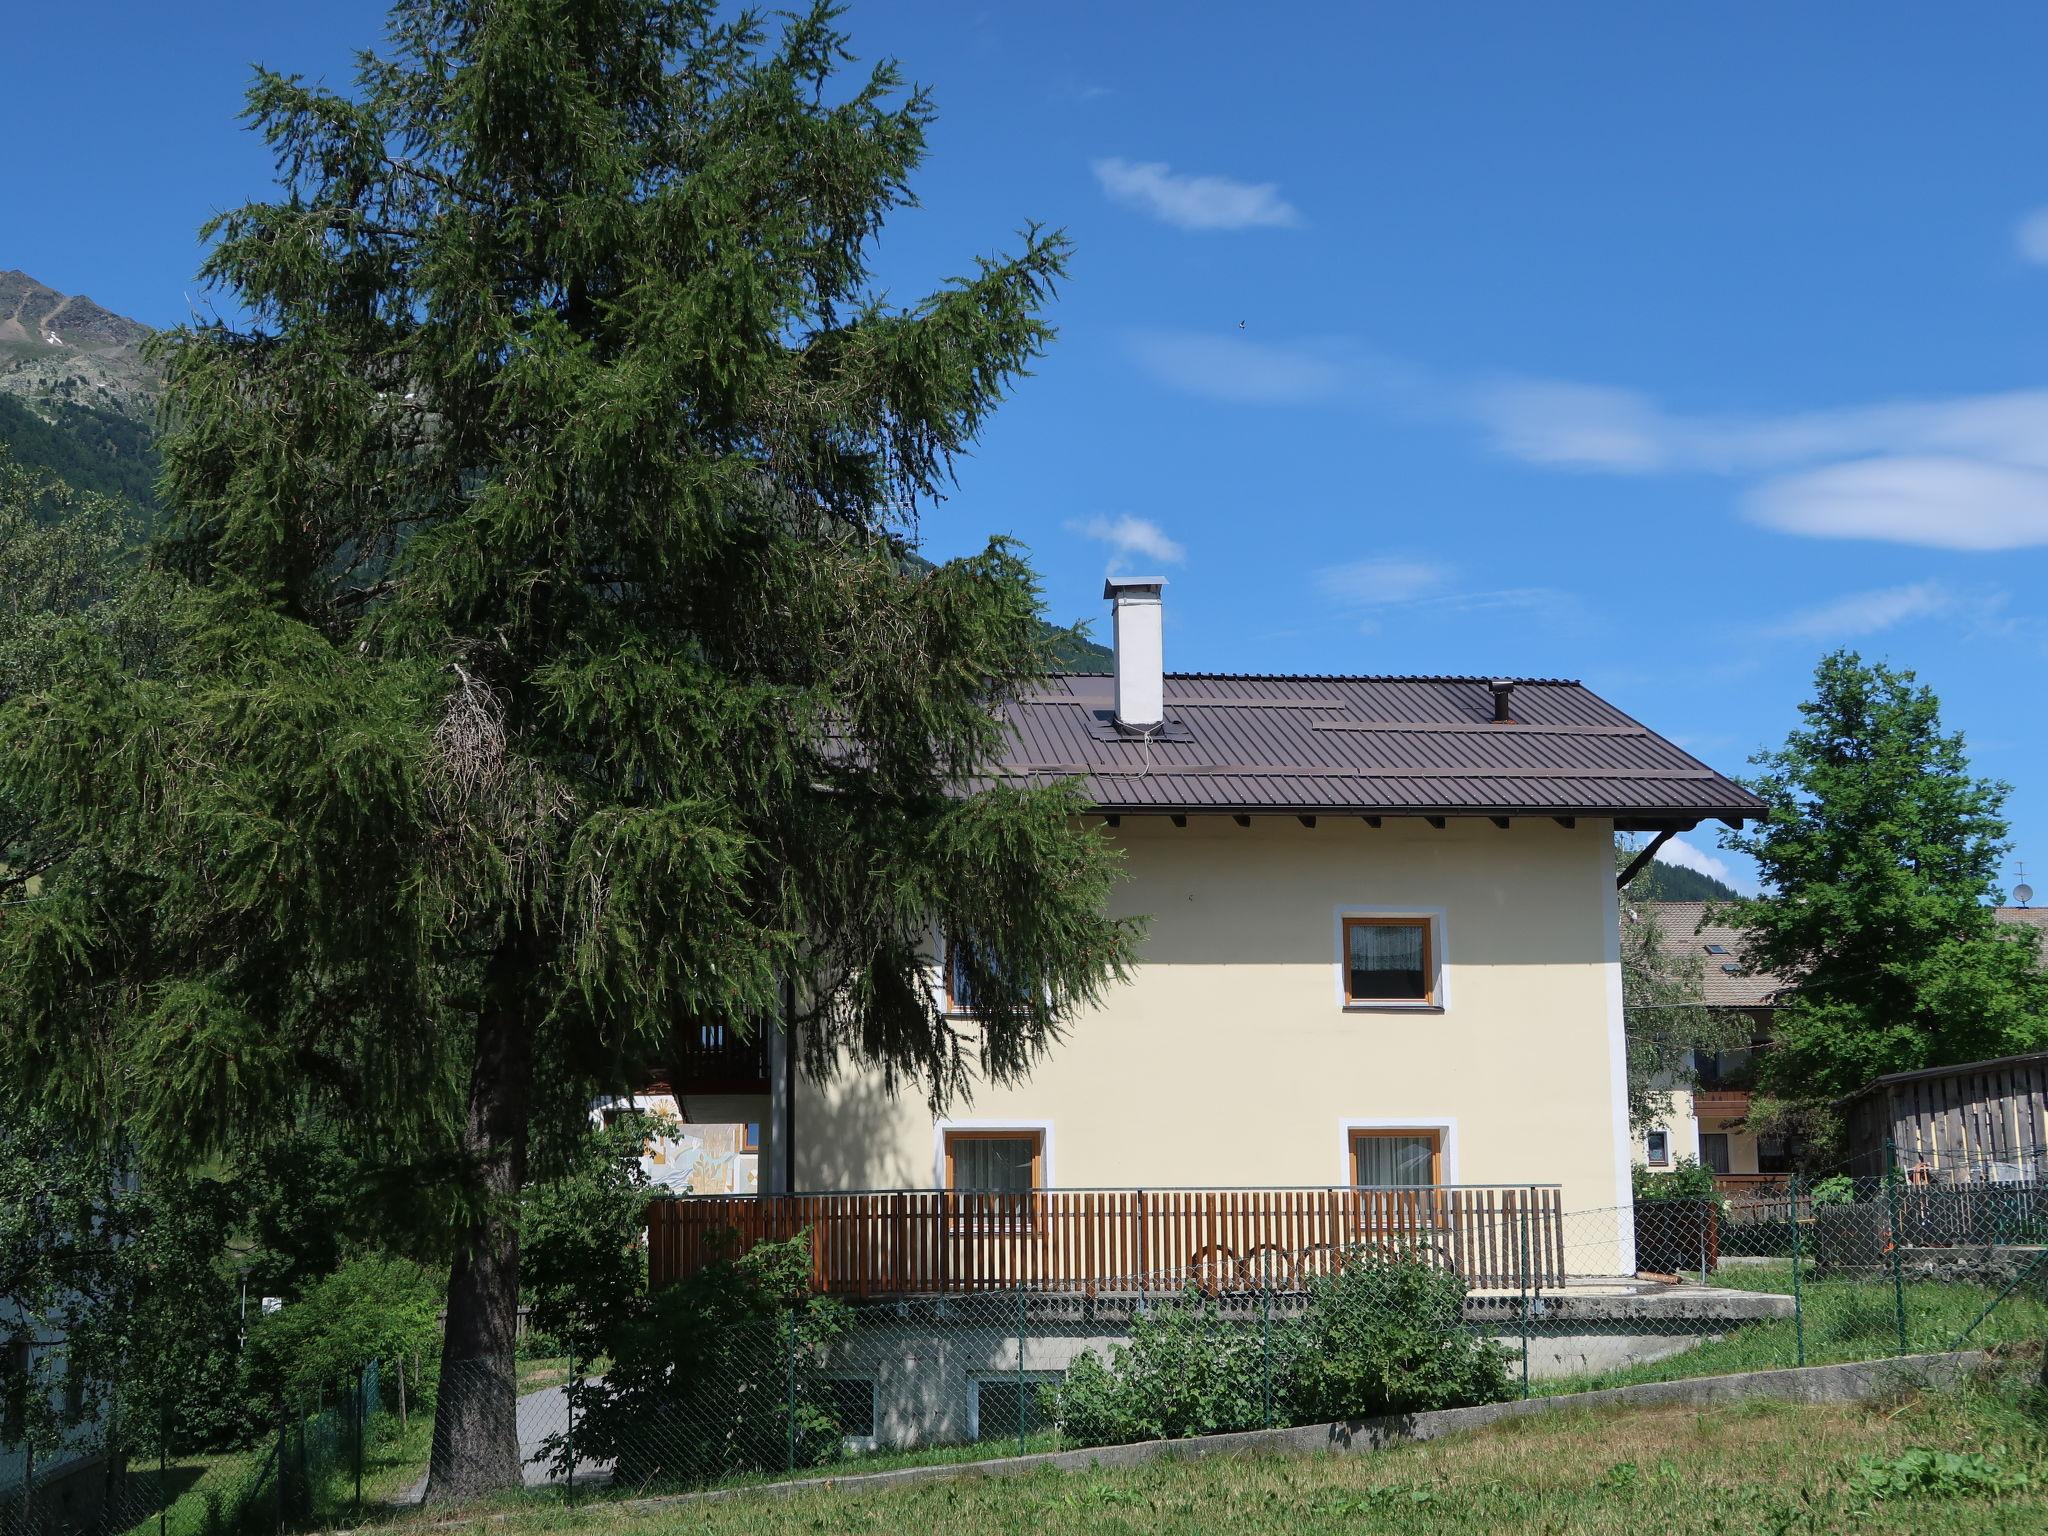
x=1365, y=745
x=1684, y=935
x=2033, y=917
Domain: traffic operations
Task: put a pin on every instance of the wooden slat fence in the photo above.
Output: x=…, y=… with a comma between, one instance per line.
x=922, y=1242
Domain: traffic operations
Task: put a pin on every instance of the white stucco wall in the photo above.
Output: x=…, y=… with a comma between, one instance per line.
x=1229, y=1060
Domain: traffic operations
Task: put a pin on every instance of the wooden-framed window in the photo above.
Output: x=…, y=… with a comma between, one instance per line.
x=1389, y=960
x=995, y=1161
x=1659, y=1148
x=1397, y=1158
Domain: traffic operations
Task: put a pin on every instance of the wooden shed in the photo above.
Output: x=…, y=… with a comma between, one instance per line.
x=1980, y=1121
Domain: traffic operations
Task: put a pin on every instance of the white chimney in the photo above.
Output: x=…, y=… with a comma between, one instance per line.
x=1140, y=652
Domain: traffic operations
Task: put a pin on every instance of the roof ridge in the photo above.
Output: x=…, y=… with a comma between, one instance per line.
x=1349, y=677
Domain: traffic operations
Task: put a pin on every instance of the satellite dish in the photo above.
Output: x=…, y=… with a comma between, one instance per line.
x=2022, y=894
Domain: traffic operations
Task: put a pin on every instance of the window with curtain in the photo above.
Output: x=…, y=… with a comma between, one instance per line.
x=1659, y=1149
x=994, y=1162
x=1394, y=1159
x=1387, y=959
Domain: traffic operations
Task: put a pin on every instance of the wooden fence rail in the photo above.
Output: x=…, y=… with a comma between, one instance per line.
x=944, y=1242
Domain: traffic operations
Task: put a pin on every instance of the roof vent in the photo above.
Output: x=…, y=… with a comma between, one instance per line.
x=1503, y=697
x=1140, y=651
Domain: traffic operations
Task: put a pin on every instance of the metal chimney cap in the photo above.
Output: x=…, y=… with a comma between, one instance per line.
x=1117, y=586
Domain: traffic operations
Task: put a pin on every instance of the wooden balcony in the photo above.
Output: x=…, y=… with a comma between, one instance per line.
x=712, y=1058
x=940, y=1242
x=1720, y=1103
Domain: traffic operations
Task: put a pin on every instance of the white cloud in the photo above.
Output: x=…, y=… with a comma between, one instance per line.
x=1132, y=536
x=1236, y=370
x=1678, y=851
x=2032, y=237
x=1866, y=613
x=1194, y=202
x=1945, y=503
x=1966, y=473
x=1383, y=581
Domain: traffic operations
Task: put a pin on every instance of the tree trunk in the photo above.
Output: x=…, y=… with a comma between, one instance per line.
x=476, y=1432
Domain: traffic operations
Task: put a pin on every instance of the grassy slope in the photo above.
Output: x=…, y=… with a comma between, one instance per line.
x=1755, y=1467
x=1844, y=1320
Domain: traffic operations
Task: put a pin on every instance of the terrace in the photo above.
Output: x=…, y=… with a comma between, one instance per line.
x=1089, y=1242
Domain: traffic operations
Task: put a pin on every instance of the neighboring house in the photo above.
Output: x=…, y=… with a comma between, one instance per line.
x=685, y=1155
x=1704, y=1122
x=1382, y=947
x=1990, y=1121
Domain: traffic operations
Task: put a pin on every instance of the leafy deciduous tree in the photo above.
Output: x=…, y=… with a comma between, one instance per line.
x=1880, y=861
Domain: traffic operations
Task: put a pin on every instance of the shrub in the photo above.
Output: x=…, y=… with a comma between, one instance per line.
x=1685, y=1179
x=1839, y=1190
x=718, y=1374
x=1186, y=1371
x=1388, y=1336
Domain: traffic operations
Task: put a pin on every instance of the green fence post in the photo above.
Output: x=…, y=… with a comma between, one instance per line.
x=1524, y=1278
x=569, y=1397
x=1798, y=1299
x=357, y=1400
x=1266, y=1336
x=1022, y=1416
x=790, y=1410
x=283, y=1460
x=163, y=1468
x=1891, y=1188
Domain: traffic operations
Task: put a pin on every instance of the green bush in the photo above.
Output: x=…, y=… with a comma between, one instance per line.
x=1388, y=1336
x=1839, y=1190
x=1186, y=1371
x=715, y=1375
x=1685, y=1179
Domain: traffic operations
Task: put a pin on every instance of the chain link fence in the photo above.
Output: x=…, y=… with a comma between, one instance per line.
x=1813, y=1271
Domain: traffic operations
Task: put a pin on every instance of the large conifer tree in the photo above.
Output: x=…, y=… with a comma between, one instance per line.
x=552, y=671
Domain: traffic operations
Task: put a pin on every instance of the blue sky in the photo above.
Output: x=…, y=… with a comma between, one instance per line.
x=1663, y=347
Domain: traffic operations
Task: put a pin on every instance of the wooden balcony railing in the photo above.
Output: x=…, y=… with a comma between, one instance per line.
x=712, y=1058
x=1090, y=1241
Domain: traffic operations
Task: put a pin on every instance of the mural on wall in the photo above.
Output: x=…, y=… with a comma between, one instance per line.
x=686, y=1157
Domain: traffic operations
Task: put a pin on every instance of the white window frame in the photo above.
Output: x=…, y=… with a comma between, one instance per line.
x=1041, y=1128
x=1445, y=1126
x=1439, y=955
x=1650, y=1158
x=1000, y=1378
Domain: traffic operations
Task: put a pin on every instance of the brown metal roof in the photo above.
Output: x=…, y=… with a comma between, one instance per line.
x=1398, y=746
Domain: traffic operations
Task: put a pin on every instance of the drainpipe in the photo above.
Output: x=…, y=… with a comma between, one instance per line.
x=789, y=1085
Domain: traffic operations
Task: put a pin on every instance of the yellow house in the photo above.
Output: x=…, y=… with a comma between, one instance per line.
x=1382, y=947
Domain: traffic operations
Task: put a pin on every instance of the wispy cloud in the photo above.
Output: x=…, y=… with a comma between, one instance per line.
x=1377, y=589
x=1237, y=370
x=2032, y=237
x=1129, y=535
x=1966, y=473
x=1194, y=202
x=1868, y=613
x=1368, y=582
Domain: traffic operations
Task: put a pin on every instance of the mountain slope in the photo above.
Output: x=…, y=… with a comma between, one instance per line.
x=76, y=396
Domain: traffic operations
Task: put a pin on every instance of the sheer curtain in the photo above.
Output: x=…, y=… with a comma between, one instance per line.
x=993, y=1164
x=1395, y=1162
x=1387, y=960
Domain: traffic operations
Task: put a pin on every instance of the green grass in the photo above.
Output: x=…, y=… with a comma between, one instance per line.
x=1761, y=1467
x=1843, y=1320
